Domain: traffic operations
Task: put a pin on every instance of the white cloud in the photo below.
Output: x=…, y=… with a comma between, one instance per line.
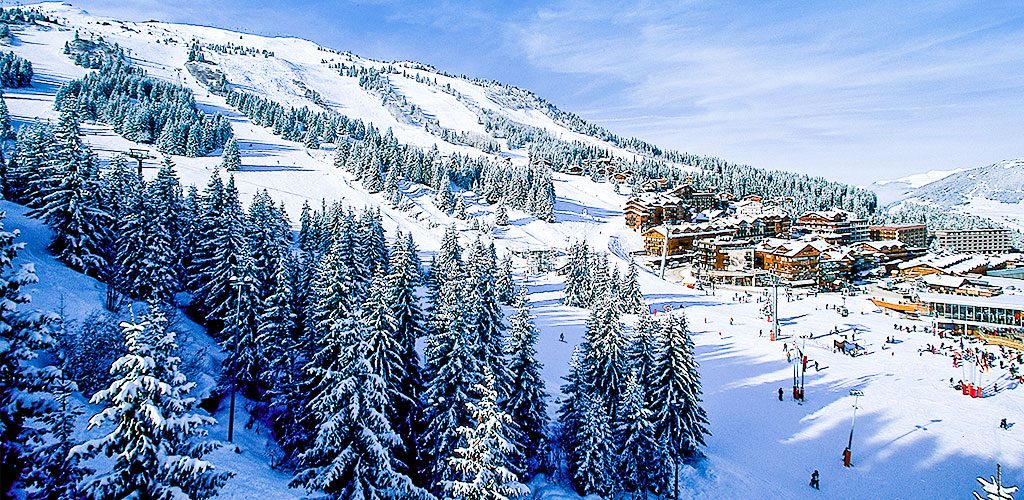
x=867, y=91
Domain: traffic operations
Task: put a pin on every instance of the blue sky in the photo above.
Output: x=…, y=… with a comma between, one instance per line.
x=856, y=91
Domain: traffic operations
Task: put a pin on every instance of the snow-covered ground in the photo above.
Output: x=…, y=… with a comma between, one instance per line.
x=915, y=436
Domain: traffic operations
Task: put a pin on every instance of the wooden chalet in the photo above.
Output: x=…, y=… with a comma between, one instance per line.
x=654, y=209
x=681, y=238
x=791, y=260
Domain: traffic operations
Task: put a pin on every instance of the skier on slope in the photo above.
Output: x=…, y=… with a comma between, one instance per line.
x=814, y=480
x=780, y=394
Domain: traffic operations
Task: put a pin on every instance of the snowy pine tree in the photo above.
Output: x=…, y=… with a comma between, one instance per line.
x=58, y=472
x=681, y=422
x=231, y=160
x=383, y=351
x=504, y=284
x=444, y=200
x=631, y=298
x=373, y=176
x=638, y=449
x=335, y=295
x=204, y=252
x=146, y=242
x=69, y=201
x=601, y=282
x=22, y=384
x=157, y=443
x=311, y=139
x=275, y=326
x=501, y=216
x=225, y=255
x=391, y=186
x=488, y=327
x=372, y=243
x=579, y=286
x=594, y=469
x=447, y=260
x=22, y=180
x=351, y=455
x=527, y=397
x=643, y=349
x=452, y=371
x=606, y=349
x=270, y=238
x=460, y=208
x=6, y=130
x=482, y=467
x=246, y=359
x=406, y=323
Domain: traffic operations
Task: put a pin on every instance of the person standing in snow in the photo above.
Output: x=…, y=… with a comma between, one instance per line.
x=780, y=394
x=814, y=480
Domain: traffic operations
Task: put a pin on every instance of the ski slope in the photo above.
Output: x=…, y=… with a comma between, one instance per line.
x=915, y=436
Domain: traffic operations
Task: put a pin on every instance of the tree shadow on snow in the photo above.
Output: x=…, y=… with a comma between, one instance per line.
x=776, y=444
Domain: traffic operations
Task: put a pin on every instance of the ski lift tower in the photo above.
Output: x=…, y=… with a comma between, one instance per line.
x=775, y=307
x=139, y=155
x=848, y=452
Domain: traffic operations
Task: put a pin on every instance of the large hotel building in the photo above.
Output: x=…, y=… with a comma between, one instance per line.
x=973, y=240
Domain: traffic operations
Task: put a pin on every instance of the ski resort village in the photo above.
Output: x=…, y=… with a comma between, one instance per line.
x=243, y=266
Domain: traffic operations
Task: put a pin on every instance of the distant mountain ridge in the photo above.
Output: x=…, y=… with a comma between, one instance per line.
x=994, y=192
x=1002, y=182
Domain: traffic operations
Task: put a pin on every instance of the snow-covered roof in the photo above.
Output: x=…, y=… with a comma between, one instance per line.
x=655, y=199
x=944, y=280
x=790, y=248
x=959, y=263
x=690, y=228
x=884, y=244
x=1005, y=301
x=834, y=214
x=1008, y=284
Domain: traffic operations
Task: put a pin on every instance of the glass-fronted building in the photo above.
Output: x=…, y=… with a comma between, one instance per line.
x=1001, y=315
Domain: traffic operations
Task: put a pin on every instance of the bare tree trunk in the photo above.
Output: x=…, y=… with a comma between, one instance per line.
x=675, y=463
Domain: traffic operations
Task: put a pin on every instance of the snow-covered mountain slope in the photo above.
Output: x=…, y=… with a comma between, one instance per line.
x=917, y=180
x=291, y=173
x=893, y=190
x=995, y=192
x=301, y=73
x=1002, y=182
